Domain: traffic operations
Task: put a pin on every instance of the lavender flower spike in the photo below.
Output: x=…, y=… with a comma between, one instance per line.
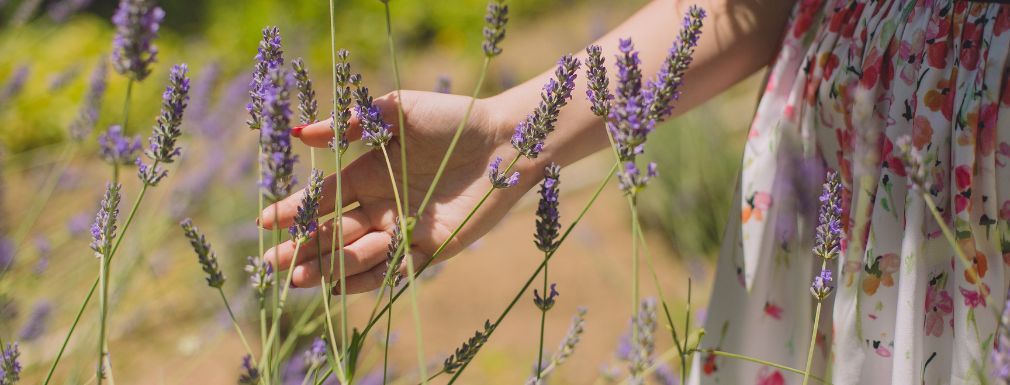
x=598, y=90
x=628, y=121
x=494, y=29
x=530, y=133
x=306, y=95
x=306, y=218
x=37, y=321
x=567, y=346
x=115, y=148
x=391, y=256
x=10, y=367
x=545, y=303
x=103, y=231
x=342, y=116
x=275, y=136
x=374, y=131
x=250, y=375
x=261, y=275
x=821, y=287
x=828, y=236
x=498, y=178
x=133, y=51
x=269, y=56
x=162, y=143
x=87, y=116
x=665, y=88
x=1000, y=356
x=14, y=85
x=643, y=346
x=315, y=357
x=548, y=217
x=631, y=180
x=208, y=261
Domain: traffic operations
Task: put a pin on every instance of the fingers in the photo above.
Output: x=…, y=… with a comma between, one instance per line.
x=355, y=225
x=287, y=208
x=374, y=277
x=318, y=134
x=359, y=257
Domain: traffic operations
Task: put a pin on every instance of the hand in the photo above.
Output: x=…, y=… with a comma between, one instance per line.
x=431, y=120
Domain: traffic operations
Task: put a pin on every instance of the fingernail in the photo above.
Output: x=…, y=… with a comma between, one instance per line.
x=257, y=221
x=293, y=286
x=296, y=131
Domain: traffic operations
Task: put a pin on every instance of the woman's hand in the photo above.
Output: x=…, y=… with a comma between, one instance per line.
x=431, y=120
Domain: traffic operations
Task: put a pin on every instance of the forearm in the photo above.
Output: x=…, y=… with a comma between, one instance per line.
x=739, y=38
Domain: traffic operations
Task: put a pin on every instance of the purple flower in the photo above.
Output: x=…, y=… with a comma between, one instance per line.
x=308, y=210
x=277, y=160
x=103, y=231
x=598, y=90
x=37, y=321
x=10, y=367
x=628, y=121
x=393, y=257
x=545, y=303
x=498, y=178
x=665, y=88
x=1000, y=356
x=640, y=356
x=261, y=274
x=316, y=355
x=269, y=56
x=115, y=148
x=250, y=375
x=162, y=146
x=61, y=79
x=631, y=180
x=14, y=85
x=208, y=261
x=374, y=131
x=548, y=217
x=494, y=29
x=201, y=96
x=664, y=375
x=821, y=287
x=828, y=236
x=150, y=175
x=530, y=133
x=306, y=95
x=342, y=116
x=43, y=248
x=133, y=50
x=61, y=11
x=77, y=224
x=444, y=85
x=87, y=115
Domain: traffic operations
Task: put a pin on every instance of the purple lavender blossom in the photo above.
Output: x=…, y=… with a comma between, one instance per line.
x=61, y=11
x=14, y=85
x=61, y=79
x=821, y=287
x=444, y=85
x=548, y=217
x=261, y=274
x=828, y=237
x=494, y=28
x=644, y=344
x=201, y=95
x=375, y=132
x=393, y=257
x=162, y=147
x=664, y=89
x=43, y=249
x=208, y=261
x=664, y=375
x=38, y=321
x=77, y=224
x=631, y=180
x=306, y=95
x=530, y=133
x=103, y=231
x=150, y=175
x=115, y=148
x=269, y=57
x=87, y=115
x=133, y=51
x=10, y=367
x=545, y=303
x=342, y=116
x=498, y=178
x=308, y=211
x=250, y=375
x=598, y=89
x=315, y=356
x=277, y=161
x=1000, y=356
x=628, y=121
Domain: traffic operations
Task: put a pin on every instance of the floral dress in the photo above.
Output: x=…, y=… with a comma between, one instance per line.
x=851, y=81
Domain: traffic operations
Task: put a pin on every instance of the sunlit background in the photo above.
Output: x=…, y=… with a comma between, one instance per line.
x=168, y=327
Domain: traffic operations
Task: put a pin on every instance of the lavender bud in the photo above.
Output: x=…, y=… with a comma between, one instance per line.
x=315, y=357
x=644, y=345
x=133, y=50
x=494, y=29
x=828, y=236
x=250, y=375
x=665, y=88
x=269, y=56
x=275, y=137
x=916, y=165
x=115, y=148
x=103, y=231
x=598, y=89
x=631, y=180
x=444, y=85
x=498, y=178
x=567, y=346
x=261, y=275
x=162, y=143
x=628, y=121
x=392, y=256
x=10, y=367
x=530, y=133
x=306, y=95
x=374, y=131
x=208, y=261
x=43, y=249
x=308, y=210
x=37, y=321
x=468, y=350
x=548, y=217
x=14, y=85
x=342, y=116
x=150, y=175
x=821, y=287
x=545, y=303
x=87, y=115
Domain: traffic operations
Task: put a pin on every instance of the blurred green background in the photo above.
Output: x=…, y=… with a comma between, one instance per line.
x=162, y=319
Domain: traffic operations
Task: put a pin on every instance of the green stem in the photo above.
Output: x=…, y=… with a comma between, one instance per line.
x=66, y=340
x=399, y=108
x=968, y=265
x=281, y=298
x=762, y=362
x=103, y=298
x=436, y=374
x=634, y=264
x=234, y=322
x=338, y=234
x=666, y=309
x=543, y=322
x=385, y=345
x=543, y=264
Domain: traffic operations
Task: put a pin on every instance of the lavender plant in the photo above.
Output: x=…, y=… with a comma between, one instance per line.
x=87, y=115
x=826, y=246
x=10, y=364
x=547, y=225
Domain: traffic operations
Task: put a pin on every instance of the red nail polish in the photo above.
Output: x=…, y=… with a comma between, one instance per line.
x=296, y=131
